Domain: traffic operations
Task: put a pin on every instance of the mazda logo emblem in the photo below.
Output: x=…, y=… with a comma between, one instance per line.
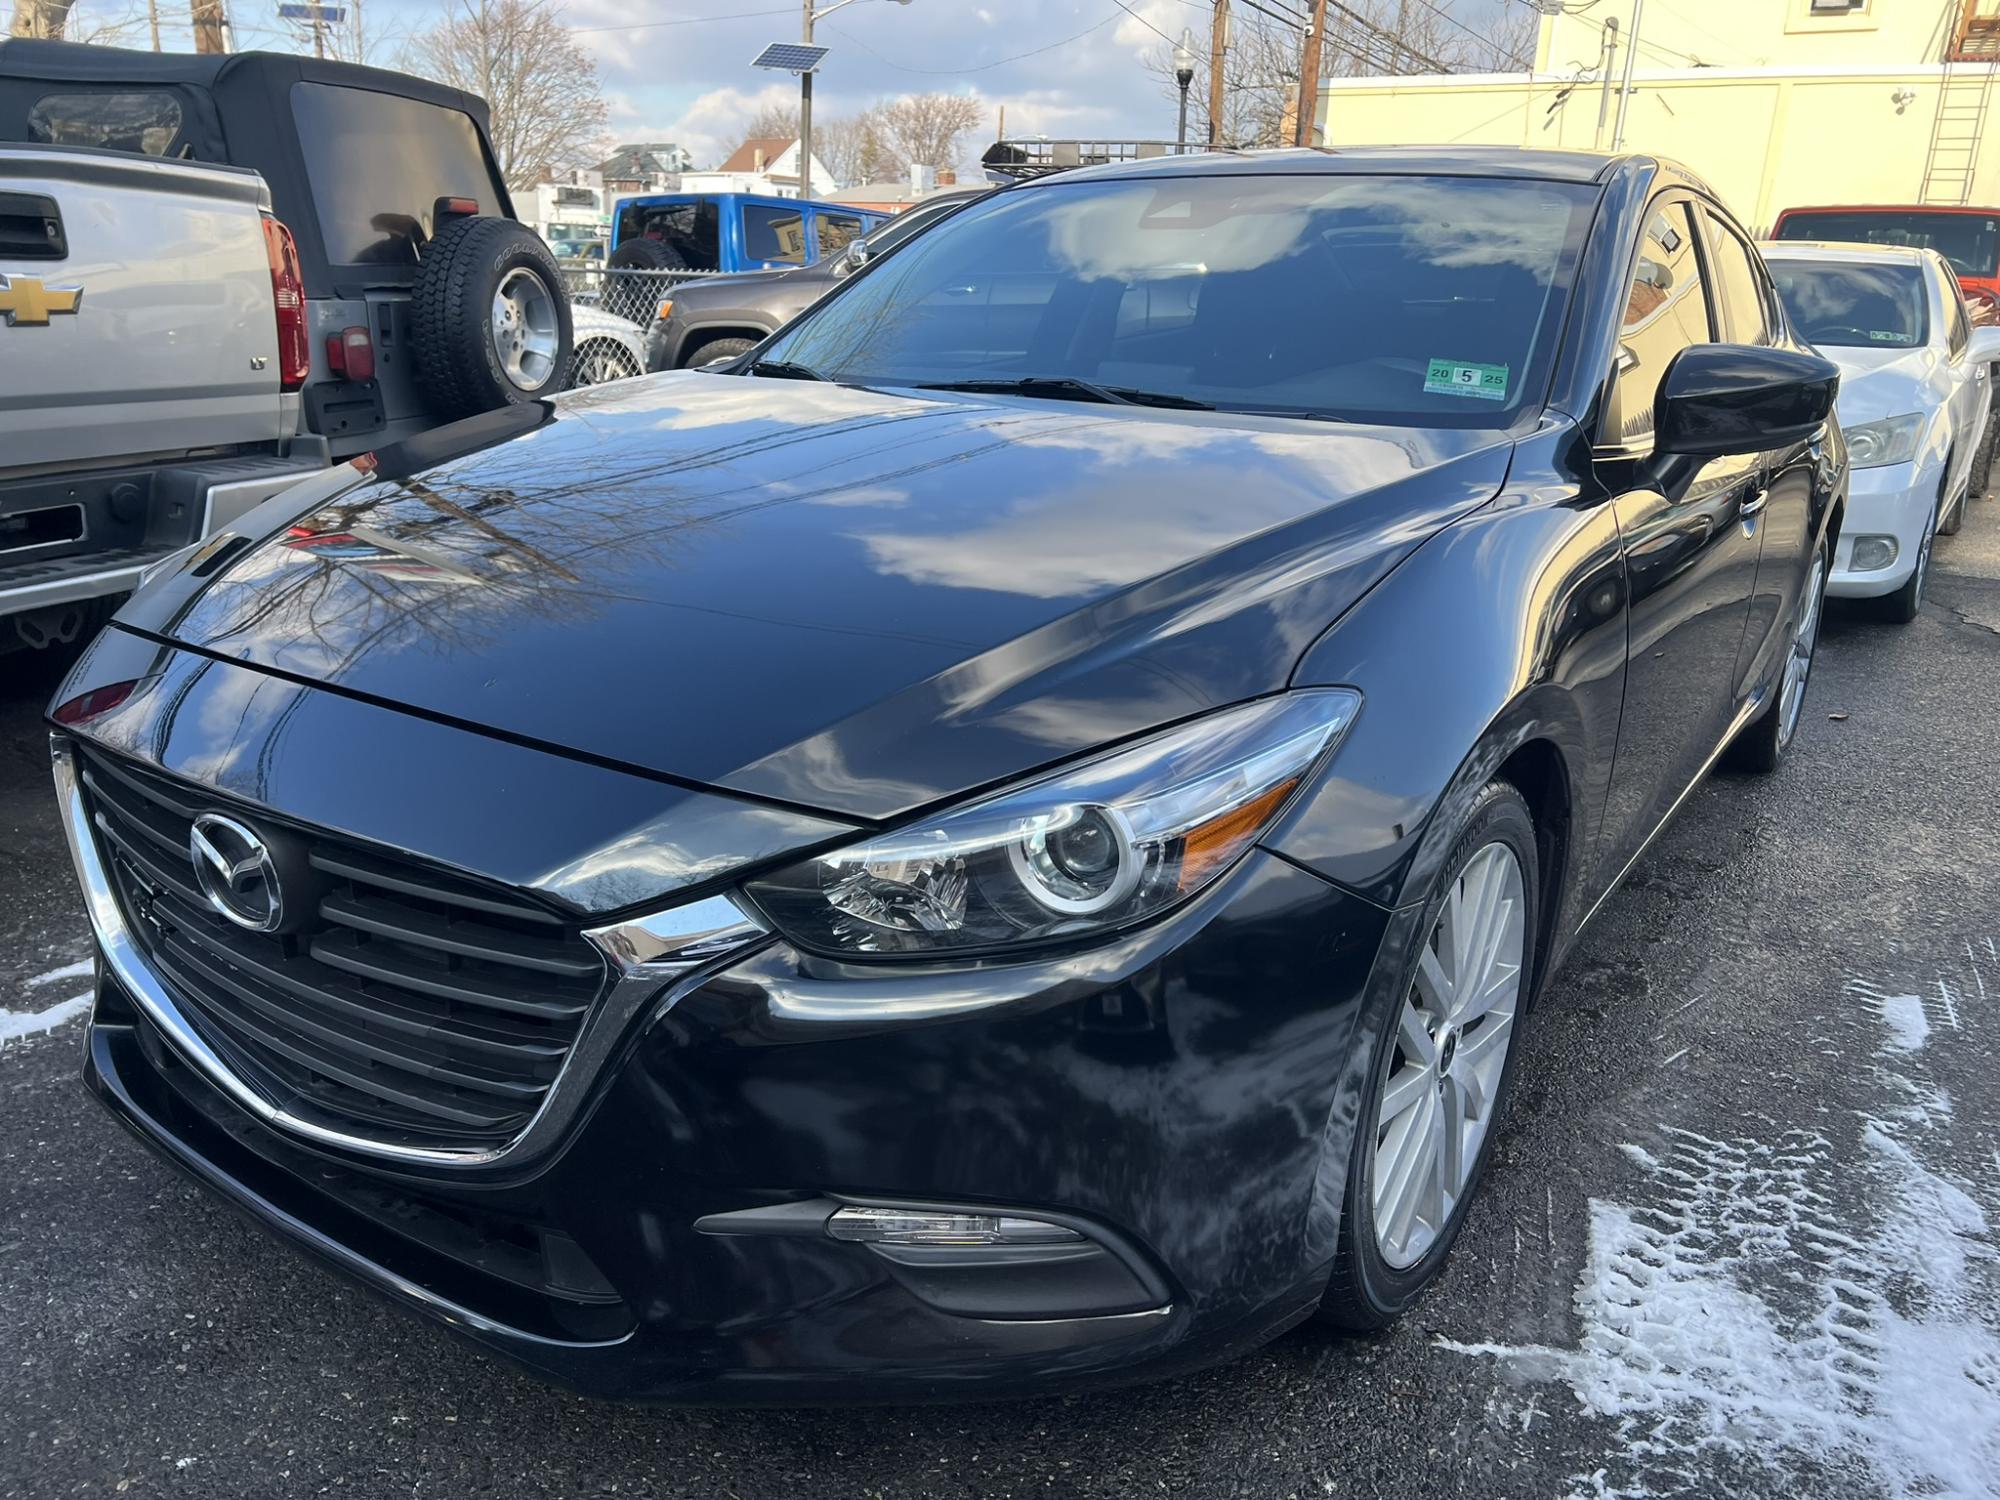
x=235, y=870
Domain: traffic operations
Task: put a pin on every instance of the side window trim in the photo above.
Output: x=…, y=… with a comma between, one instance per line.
x=1667, y=198
x=1760, y=275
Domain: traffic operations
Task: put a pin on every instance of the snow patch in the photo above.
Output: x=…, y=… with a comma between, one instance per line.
x=15, y=1024
x=76, y=970
x=1778, y=1304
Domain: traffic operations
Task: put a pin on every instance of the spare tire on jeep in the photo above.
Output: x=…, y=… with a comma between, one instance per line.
x=491, y=318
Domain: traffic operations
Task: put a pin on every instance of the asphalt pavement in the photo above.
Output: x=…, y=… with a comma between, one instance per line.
x=1741, y=1236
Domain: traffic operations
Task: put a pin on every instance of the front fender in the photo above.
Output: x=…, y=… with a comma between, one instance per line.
x=1506, y=629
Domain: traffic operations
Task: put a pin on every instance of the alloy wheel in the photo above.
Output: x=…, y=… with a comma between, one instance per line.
x=1798, y=663
x=1453, y=1032
x=526, y=332
x=597, y=366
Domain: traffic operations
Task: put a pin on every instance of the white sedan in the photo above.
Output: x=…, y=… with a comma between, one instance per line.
x=1914, y=398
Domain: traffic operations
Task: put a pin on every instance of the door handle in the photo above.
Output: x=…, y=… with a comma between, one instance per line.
x=1755, y=502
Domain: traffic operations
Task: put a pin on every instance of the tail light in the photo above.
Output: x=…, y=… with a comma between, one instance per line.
x=351, y=353
x=288, y=296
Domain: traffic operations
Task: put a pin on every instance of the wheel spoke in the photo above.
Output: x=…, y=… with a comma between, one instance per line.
x=1433, y=984
x=1451, y=1141
x=1480, y=1044
x=1473, y=1087
x=1417, y=1042
x=1404, y=1090
x=1436, y=1191
x=1409, y=1170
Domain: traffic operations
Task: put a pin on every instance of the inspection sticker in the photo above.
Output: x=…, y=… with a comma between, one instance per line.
x=1446, y=377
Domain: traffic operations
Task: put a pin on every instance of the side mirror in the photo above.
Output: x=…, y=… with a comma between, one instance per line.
x=1718, y=399
x=858, y=255
x=1985, y=345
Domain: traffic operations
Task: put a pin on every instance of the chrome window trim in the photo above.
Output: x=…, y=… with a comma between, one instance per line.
x=654, y=961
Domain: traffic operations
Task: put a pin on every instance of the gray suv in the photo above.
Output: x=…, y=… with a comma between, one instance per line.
x=720, y=317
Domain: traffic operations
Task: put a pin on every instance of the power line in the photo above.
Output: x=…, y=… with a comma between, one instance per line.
x=741, y=15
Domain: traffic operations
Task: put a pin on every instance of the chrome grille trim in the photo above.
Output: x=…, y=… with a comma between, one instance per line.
x=656, y=982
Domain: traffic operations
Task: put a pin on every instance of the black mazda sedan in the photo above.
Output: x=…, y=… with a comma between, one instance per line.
x=1007, y=838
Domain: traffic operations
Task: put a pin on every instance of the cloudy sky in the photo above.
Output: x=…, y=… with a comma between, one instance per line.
x=679, y=70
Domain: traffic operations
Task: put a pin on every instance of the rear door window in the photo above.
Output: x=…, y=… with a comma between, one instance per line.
x=377, y=165
x=1733, y=265
x=838, y=231
x=774, y=234
x=1969, y=241
x=146, y=122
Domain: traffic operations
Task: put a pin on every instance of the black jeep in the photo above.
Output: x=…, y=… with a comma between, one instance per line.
x=425, y=300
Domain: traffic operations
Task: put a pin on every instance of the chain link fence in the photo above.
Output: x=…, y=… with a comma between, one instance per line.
x=635, y=295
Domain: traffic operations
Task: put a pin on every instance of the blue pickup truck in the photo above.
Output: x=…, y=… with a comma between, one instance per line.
x=731, y=231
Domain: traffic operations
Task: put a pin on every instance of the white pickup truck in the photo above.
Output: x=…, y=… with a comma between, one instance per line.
x=147, y=308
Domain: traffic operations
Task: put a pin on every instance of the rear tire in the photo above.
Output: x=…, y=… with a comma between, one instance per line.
x=1429, y=1119
x=716, y=350
x=1763, y=743
x=473, y=355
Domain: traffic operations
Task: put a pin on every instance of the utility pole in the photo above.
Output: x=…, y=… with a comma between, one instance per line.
x=153, y=19
x=208, y=26
x=1625, y=89
x=1302, y=132
x=806, y=113
x=1607, y=64
x=1218, y=43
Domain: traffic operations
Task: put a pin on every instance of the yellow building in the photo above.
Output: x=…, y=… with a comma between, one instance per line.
x=1776, y=102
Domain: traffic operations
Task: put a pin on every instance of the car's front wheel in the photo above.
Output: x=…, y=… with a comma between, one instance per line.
x=1441, y=1061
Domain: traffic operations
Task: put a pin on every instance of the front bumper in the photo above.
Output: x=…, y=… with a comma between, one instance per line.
x=1896, y=500
x=1174, y=1092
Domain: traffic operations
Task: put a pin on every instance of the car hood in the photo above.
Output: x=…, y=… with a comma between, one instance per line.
x=852, y=600
x=1878, y=383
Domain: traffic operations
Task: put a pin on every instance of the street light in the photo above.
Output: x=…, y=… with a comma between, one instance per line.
x=806, y=90
x=1183, y=75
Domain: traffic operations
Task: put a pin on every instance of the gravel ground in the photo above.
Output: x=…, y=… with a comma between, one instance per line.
x=1736, y=1239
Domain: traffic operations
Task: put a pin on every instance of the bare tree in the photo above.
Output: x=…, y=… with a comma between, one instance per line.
x=41, y=18
x=926, y=129
x=65, y=20
x=777, y=122
x=854, y=148
x=548, y=110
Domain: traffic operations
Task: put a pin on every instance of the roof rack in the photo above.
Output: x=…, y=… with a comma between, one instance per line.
x=1014, y=161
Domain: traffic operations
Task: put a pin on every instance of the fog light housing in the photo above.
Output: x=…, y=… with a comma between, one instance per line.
x=918, y=1226
x=1872, y=553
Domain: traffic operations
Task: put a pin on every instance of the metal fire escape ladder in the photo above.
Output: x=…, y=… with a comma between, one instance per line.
x=1971, y=52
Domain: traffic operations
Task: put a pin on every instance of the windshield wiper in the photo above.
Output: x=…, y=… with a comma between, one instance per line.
x=784, y=369
x=1069, y=388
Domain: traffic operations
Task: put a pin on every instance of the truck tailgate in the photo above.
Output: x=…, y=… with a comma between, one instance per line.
x=135, y=308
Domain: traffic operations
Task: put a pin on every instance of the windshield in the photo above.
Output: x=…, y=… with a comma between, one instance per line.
x=1969, y=242
x=1854, y=305
x=1430, y=301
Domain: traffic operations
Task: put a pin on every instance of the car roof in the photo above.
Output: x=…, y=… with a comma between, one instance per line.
x=1885, y=208
x=75, y=62
x=1854, y=250
x=1442, y=161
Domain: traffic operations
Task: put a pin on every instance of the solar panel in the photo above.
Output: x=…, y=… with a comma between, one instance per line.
x=789, y=57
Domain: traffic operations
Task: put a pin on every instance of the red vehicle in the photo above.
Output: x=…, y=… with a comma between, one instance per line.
x=1968, y=239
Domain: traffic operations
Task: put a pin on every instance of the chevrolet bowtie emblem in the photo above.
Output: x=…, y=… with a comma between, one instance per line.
x=26, y=303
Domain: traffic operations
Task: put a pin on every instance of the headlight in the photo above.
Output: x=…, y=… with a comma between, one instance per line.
x=1893, y=440
x=1103, y=844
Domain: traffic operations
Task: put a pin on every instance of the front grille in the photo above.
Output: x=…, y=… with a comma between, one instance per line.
x=413, y=1007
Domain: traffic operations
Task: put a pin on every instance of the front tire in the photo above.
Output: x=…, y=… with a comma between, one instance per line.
x=715, y=351
x=600, y=362
x=1440, y=1065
